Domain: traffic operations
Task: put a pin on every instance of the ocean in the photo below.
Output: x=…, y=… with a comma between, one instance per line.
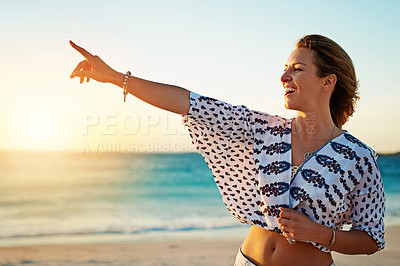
x=67, y=197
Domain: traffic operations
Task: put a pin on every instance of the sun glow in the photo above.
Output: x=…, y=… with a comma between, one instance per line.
x=36, y=130
x=38, y=126
x=38, y=123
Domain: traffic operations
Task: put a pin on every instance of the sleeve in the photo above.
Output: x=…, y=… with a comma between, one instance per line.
x=224, y=135
x=226, y=123
x=368, y=202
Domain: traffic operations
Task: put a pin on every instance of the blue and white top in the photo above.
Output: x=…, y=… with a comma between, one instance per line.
x=249, y=154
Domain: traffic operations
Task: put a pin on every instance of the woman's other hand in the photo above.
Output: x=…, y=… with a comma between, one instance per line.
x=297, y=226
x=92, y=67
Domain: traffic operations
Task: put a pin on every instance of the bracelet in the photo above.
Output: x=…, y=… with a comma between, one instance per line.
x=125, y=84
x=333, y=238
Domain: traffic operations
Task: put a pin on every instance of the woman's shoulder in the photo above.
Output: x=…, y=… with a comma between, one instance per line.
x=270, y=120
x=259, y=117
x=355, y=145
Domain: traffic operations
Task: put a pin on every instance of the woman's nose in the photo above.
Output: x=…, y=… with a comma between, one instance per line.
x=285, y=76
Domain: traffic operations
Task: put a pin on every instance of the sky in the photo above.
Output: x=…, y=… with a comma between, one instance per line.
x=232, y=50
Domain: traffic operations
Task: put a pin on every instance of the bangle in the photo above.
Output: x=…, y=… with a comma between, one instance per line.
x=125, y=84
x=333, y=238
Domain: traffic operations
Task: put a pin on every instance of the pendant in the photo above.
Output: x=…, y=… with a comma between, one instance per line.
x=294, y=171
x=306, y=155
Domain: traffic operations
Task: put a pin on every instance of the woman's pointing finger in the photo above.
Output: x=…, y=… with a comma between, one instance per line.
x=82, y=51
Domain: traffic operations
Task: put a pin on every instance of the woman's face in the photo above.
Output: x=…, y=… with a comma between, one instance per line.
x=300, y=80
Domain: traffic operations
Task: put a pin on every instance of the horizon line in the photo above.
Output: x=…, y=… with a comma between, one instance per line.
x=396, y=153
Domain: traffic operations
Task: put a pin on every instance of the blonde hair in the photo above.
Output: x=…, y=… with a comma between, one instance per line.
x=331, y=58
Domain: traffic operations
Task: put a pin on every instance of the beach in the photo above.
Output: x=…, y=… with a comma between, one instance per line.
x=204, y=252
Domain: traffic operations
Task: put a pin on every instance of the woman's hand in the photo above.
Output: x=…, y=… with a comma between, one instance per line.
x=168, y=97
x=92, y=68
x=297, y=226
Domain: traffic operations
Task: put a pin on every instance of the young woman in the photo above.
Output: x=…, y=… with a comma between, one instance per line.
x=297, y=181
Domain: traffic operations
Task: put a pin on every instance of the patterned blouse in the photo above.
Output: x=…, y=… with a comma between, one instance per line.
x=249, y=154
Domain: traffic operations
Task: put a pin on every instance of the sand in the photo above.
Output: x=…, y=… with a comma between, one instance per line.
x=221, y=252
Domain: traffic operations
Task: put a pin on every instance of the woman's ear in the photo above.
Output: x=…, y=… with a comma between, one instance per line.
x=329, y=82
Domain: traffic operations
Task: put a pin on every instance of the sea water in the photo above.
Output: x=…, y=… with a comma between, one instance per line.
x=66, y=197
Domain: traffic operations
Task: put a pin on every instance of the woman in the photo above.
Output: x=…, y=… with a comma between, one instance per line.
x=296, y=181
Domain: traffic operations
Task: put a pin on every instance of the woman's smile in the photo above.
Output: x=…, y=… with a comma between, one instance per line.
x=289, y=90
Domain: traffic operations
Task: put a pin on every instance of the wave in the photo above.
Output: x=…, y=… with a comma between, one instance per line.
x=392, y=212
x=124, y=230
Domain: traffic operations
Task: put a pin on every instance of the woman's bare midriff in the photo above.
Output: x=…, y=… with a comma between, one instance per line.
x=263, y=247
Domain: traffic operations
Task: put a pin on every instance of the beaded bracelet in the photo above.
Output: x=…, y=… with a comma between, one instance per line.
x=333, y=238
x=125, y=84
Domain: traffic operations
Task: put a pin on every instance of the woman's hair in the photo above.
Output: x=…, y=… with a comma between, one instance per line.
x=330, y=58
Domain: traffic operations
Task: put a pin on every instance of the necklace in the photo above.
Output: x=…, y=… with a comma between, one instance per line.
x=306, y=153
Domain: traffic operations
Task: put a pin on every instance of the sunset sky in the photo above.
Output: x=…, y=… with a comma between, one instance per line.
x=231, y=50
